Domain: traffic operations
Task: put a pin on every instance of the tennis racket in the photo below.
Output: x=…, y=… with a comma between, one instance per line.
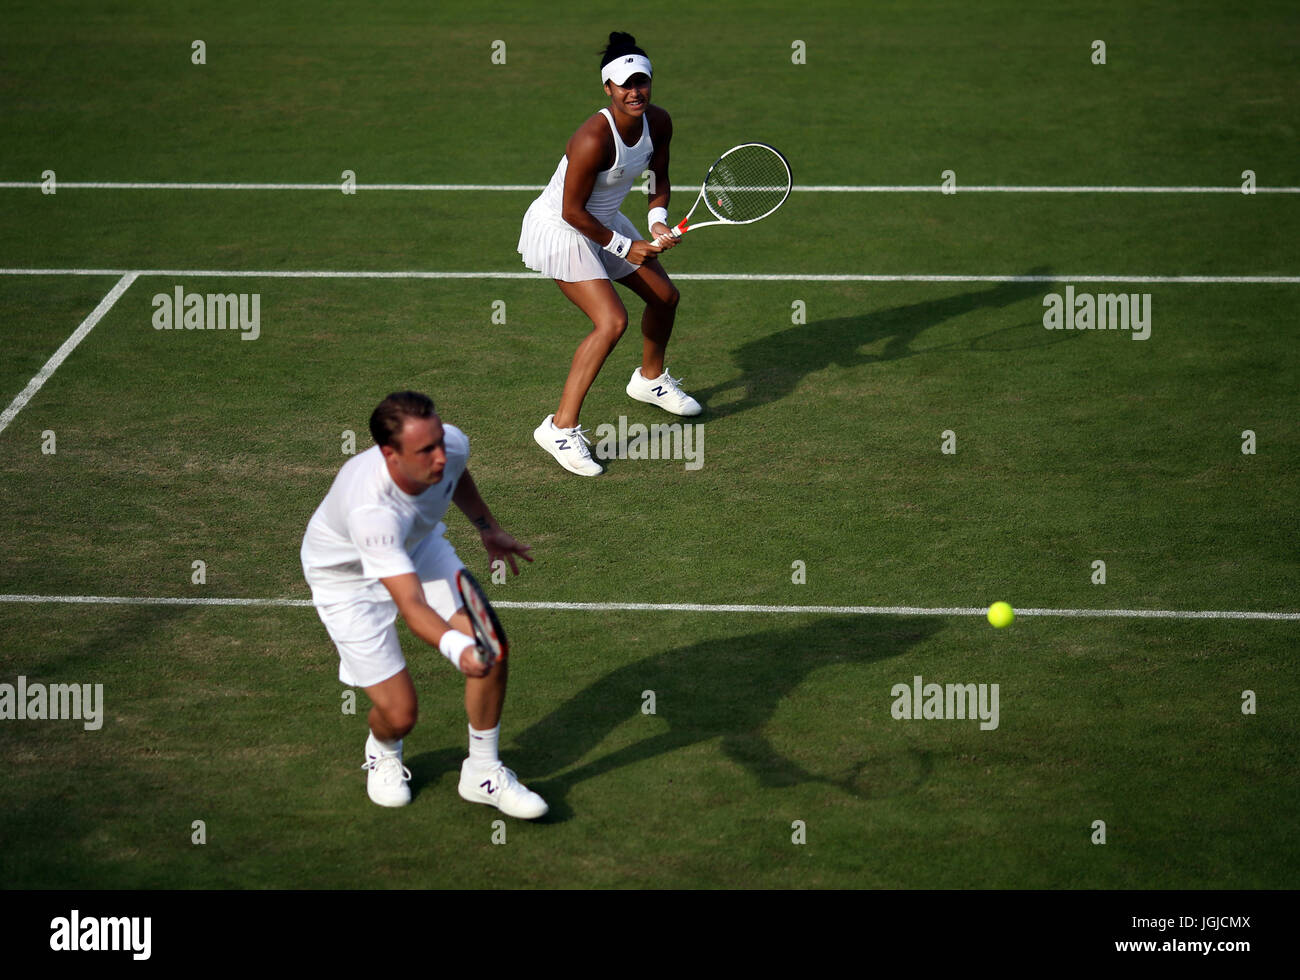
x=491, y=637
x=747, y=183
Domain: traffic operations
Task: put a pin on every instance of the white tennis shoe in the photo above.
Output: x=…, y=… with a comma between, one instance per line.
x=570, y=447
x=386, y=778
x=501, y=788
x=663, y=391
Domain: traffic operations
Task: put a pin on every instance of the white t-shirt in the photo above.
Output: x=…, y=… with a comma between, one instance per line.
x=367, y=527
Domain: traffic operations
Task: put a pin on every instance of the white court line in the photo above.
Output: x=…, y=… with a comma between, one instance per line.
x=960, y=189
x=693, y=608
x=68, y=347
x=337, y=187
x=696, y=276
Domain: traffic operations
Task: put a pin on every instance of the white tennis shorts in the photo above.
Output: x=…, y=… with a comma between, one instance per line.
x=364, y=629
x=553, y=247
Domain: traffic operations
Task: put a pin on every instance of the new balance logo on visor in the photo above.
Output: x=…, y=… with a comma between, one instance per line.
x=627, y=61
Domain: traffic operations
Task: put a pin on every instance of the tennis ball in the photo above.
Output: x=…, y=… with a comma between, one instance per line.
x=1001, y=614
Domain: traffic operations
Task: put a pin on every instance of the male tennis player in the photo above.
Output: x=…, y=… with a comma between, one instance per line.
x=375, y=548
x=575, y=233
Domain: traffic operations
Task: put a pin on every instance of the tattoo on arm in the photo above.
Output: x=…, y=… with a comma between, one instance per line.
x=482, y=524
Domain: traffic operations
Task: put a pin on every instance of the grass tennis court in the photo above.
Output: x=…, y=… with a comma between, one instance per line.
x=828, y=404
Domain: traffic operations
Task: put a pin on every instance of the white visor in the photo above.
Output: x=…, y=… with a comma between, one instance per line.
x=621, y=69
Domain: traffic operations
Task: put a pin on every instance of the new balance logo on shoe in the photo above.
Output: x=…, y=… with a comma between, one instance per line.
x=569, y=447
x=663, y=392
x=500, y=788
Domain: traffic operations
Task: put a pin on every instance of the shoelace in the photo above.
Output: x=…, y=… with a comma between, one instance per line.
x=388, y=772
x=505, y=777
x=672, y=384
x=581, y=442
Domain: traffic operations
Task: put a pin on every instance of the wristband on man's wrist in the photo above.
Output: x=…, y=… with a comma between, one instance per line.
x=452, y=644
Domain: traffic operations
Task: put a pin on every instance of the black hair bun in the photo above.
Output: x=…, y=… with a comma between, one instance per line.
x=620, y=43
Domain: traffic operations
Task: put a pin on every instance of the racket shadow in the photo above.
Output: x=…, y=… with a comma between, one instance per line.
x=772, y=367
x=729, y=690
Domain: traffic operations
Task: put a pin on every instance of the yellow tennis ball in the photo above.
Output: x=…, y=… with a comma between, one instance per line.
x=1001, y=614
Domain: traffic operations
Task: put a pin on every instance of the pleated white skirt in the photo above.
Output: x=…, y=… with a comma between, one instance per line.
x=553, y=247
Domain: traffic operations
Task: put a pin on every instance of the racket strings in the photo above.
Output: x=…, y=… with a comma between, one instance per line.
x=747, y=184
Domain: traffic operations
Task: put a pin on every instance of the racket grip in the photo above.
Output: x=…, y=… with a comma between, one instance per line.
x=672, y=233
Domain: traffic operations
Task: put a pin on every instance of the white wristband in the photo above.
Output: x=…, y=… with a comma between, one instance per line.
x=453, y=644
x=619, y=245
x=657, y=216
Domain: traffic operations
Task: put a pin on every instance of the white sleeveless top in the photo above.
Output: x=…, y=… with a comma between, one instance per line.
x=611, y=185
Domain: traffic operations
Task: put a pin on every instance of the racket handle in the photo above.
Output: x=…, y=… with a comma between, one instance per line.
x=672, y=232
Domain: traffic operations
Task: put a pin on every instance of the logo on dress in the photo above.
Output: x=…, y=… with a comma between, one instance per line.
x=616, y=174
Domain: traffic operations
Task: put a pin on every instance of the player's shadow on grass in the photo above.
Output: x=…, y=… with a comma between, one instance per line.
x=772, y=366
x=730, y=689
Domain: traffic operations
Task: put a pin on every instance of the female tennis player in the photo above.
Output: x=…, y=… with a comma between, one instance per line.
x=575, y=233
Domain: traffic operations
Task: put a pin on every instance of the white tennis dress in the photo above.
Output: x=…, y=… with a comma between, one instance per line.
x=553, y=247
